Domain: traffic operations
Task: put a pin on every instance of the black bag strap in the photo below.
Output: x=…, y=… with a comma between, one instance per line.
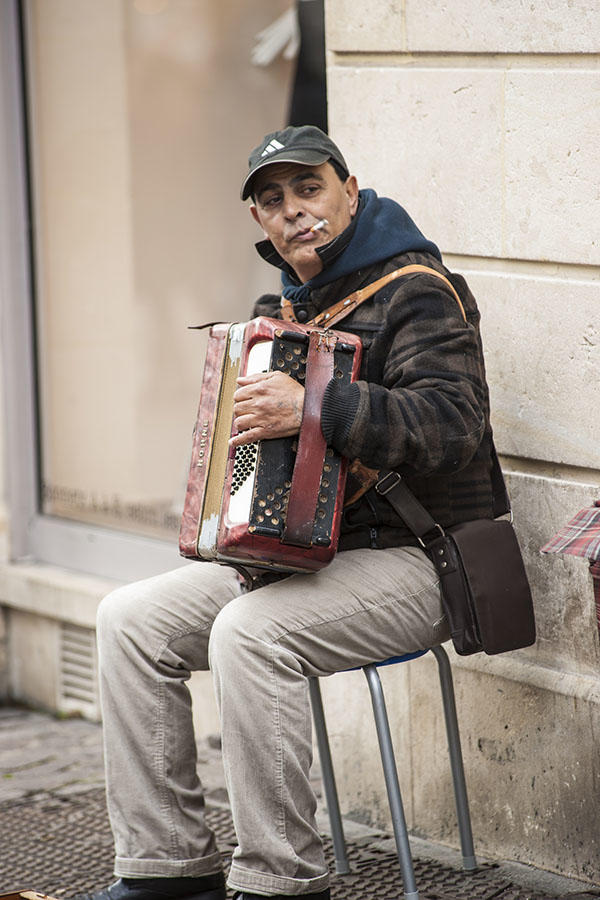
x=501, y=500
x=392, y=486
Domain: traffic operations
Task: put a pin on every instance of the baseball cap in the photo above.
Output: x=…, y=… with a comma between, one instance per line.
x=305, y=144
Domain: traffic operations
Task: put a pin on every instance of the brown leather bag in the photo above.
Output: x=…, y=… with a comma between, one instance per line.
x=485, y=592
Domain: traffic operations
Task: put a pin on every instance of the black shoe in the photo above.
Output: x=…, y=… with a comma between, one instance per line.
x=322, y=895
x=206, y=887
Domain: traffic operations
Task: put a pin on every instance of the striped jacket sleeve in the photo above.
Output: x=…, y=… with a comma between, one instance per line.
x=423, y=408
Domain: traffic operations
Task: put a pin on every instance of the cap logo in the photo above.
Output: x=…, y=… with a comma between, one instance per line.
x=272, y=147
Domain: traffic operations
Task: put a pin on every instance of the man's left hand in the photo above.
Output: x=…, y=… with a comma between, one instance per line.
x=266, y=405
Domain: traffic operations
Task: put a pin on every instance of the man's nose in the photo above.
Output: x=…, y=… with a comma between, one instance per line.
x=292, y=207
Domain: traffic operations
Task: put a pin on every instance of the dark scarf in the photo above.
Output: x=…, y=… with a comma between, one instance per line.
x=380, y=229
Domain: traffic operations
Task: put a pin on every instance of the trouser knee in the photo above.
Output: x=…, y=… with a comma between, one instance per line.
x=117, y=618
x=236, y=639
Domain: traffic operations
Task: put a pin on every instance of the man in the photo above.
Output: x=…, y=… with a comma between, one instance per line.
x=420, y=408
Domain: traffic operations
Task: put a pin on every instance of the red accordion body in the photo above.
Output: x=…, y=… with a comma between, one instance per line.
x=275, y=504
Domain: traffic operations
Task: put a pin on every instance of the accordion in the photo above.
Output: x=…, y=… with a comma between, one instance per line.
x=275, y=504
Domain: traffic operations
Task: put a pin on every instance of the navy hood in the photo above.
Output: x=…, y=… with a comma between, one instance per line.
x=380, y=229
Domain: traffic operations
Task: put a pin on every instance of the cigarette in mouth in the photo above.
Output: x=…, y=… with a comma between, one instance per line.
x=318, y=225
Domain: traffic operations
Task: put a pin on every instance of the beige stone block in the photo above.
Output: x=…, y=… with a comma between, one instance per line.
x=496, y=26
x=551, y=144
x=429, y=139
x=53, y=592
x=376, y=25
x=33, y=659
x=542, y=342
x=563, y=595
x=531, y=763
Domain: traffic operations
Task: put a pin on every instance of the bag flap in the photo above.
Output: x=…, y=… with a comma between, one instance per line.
x=498, y=581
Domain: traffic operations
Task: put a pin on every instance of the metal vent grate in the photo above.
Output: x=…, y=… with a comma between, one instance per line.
x=78, y=681
x=69, y=850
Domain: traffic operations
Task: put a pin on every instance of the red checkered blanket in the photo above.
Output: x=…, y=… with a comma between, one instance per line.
x=580, y=536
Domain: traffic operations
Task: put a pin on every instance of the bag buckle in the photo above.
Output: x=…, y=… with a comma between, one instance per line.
x=387, y=483
x=442, y=533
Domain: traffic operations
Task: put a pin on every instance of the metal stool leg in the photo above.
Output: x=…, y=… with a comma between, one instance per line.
x=342, y=866
x=391, y=782
x=456, y=760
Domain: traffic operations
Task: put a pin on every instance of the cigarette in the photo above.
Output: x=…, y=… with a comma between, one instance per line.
x=318, y=225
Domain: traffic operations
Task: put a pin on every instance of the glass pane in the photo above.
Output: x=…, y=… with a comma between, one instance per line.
x=142, y=116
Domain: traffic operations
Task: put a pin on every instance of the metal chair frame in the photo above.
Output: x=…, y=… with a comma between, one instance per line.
x=390, y=769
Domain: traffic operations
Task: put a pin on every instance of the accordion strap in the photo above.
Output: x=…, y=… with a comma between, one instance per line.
x=363, y=477
x=310, y=456
x=334, y=314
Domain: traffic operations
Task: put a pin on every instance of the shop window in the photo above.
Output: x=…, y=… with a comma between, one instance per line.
x=141, y=116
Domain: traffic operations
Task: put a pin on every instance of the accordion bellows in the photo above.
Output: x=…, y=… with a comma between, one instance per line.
x=275, y=504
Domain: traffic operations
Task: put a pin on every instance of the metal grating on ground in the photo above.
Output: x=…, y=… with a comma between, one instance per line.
x=63, y=845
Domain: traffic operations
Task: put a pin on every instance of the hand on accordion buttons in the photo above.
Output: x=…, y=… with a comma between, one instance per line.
x=266, y=405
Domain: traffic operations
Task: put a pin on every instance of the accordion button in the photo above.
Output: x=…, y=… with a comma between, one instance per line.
x=301, y=314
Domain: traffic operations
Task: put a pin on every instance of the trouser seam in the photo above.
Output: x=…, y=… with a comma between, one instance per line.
x=160, y=763
x=354, y=612
x=280, y=759
x=160, y=738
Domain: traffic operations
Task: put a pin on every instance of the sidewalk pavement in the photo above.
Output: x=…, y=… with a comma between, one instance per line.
x=55, y=837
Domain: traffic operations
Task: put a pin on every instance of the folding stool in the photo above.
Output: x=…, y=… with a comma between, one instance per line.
x=390, y=769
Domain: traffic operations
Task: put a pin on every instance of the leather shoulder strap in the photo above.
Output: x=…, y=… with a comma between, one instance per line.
x=343, y=308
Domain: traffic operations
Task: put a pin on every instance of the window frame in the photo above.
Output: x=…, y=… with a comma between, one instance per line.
x=34, y=536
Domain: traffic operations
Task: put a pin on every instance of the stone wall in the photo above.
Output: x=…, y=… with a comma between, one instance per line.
x=482, y=120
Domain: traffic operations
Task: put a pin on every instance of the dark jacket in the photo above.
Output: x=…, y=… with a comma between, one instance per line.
x=421, y=405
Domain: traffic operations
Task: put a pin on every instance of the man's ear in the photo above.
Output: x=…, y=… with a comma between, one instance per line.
x=351, y=188
x=256, y=217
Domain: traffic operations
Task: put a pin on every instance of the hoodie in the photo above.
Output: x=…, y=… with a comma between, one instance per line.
x=380, y=229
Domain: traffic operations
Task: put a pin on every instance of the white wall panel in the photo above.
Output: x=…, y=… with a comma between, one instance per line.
x=552, y=165
x=489, y=163
x=430, y=139
x=502, y=26
x=542, y=341
x=492, y=26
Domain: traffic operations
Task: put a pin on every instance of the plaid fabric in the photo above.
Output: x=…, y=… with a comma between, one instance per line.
x=423, y=406
x=580, y=536
x=595, y=573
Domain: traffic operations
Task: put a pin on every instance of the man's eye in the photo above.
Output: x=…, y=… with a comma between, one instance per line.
x=270, y=201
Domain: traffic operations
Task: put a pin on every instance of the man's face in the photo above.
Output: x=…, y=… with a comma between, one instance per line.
x=290, y=198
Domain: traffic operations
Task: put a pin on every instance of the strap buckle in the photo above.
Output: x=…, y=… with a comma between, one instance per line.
x=441, y=531
x=388, y=483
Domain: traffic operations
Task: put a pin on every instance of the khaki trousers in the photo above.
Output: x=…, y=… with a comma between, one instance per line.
x=365, y=606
